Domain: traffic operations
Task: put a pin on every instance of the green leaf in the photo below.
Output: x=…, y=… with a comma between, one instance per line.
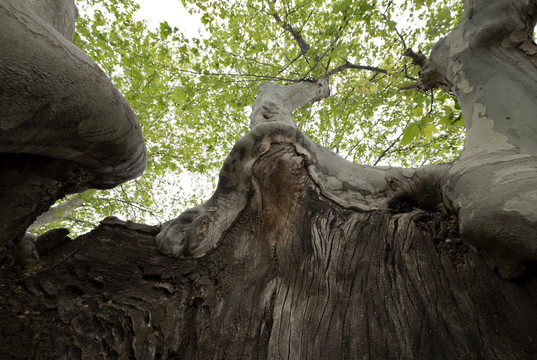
x=165, y=30
x=446, y=120
x=459, y=120
x=428, y=131
x=411, y=132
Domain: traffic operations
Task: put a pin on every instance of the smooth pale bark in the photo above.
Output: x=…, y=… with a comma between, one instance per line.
x=63, y=126
x=56, y=213
x=490, y=63
x=56, y=102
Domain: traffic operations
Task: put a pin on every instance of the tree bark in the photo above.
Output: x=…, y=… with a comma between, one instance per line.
x=300, y=254
x=489, y=62
x=57, y=212
x=63, y=126
x=294, y=276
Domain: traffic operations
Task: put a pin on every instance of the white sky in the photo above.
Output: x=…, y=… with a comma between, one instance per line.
x=172, y=11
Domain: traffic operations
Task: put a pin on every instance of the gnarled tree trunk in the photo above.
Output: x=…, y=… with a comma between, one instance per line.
x=300, y=254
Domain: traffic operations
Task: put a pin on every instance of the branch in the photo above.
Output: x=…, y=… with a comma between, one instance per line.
x=417, y=59
x=409, y=87
x=349, y=65
x=304, y=46
x=132, y=204
x=395, y=27
x=386, y=150
x=429, y=77
x=57, y=212
x=276, y=103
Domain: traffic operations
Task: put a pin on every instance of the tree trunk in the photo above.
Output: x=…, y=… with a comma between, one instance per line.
x=300, y=254
x=489, y=62
x=294, y=276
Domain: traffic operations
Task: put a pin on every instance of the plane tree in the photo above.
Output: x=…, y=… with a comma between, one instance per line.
x=174, y=82
x=300, y=253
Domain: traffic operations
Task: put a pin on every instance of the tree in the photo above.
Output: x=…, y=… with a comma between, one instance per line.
x=301, y=254
x=173, y=83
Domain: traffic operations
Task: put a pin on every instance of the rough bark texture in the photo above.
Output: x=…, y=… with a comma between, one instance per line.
x=295, y=276
x=300, y=254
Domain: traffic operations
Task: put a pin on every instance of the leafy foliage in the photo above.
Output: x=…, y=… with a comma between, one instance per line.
x=192, y=96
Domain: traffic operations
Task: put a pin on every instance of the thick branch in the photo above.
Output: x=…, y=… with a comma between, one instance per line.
x=492, y=184
x=56, y=102
x=57, y=212
x=276, y=103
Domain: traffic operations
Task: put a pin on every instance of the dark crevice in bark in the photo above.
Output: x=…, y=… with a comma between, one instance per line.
x=29, y=185
x=423, y=191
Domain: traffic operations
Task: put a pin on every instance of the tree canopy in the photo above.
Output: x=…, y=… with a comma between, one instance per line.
x=193, y=96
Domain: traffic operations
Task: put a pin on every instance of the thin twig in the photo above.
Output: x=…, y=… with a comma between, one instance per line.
x=349, y=65
x=42, y=270
x=386, y=151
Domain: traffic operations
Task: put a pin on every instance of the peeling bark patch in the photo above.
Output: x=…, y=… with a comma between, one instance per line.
x=525, y=204
x=458, y=41
x=333, y=183
x=459, y=78
x=481, y=134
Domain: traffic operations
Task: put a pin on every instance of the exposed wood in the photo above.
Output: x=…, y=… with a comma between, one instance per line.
x=295, y=276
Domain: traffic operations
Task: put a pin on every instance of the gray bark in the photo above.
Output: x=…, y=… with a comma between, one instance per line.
x=57, y=212
x=56, y=102
x=295, y=276
x=63, y=126
x=61, y=14
x=300, y=254
x=489, y=62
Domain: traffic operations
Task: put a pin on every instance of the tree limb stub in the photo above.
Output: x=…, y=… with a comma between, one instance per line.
x=417, y=58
